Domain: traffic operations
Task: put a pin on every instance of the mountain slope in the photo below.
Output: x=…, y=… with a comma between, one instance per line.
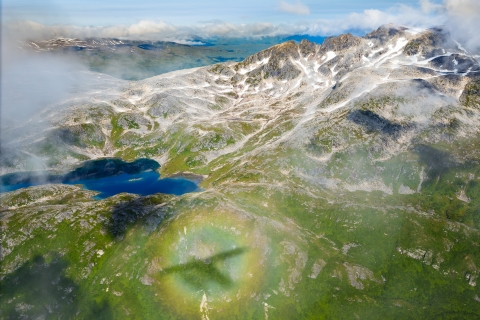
x=346, y=173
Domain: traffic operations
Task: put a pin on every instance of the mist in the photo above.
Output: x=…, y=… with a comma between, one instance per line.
x=31, y=82
x=464, y=22
x=34, y=85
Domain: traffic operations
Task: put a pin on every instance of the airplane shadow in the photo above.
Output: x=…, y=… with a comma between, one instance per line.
x=199, y=272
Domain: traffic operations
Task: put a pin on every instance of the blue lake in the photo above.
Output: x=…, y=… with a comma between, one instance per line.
x=107, y=176
x=144, y=183
x=152, y=47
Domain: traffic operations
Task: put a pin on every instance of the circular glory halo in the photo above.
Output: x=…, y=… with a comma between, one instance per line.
x=208, y=262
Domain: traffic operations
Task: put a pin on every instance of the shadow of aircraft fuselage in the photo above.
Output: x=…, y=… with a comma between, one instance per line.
x=199, y=272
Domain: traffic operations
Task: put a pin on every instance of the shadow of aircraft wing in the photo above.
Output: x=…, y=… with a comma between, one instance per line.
x=198, y=272
x=227, y=254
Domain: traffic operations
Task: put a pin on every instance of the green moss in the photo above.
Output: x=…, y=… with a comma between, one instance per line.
x=471, y=94
x=117, y=130
x=413, y=47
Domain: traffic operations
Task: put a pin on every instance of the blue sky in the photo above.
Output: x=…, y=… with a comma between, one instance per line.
x=186, y=12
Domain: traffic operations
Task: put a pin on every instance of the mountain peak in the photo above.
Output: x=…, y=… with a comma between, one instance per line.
x=341, y=42
x=387, y=32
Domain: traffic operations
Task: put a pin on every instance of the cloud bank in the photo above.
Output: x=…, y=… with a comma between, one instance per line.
x=295, y=8
x=459, y=17
x=464, y=22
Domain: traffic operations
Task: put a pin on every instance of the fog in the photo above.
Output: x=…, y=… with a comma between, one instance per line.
x=30, y=82
x=464, y=22
x=33, y=84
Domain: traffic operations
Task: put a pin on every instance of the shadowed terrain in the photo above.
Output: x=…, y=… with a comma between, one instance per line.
x=41, y=289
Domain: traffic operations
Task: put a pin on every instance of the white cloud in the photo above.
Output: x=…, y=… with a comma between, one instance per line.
x=428, y=6
x=295, y=8
x=459, y=17
x=465, y=8
x=463, y=22
x=151, y=30
x=371, y=19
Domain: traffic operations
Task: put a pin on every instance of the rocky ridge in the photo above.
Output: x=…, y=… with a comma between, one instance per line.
x=311, y=83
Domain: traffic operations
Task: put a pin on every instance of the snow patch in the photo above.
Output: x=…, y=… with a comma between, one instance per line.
x=330, y=55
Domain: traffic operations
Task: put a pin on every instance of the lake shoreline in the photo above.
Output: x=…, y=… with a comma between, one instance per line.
x=188, y=175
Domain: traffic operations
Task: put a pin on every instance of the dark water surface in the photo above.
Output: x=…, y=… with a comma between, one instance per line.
x=109, y=176
x=144, y=184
